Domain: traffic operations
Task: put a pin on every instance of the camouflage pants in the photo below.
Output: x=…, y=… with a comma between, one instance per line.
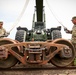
x=74, y=62
x=74, y=44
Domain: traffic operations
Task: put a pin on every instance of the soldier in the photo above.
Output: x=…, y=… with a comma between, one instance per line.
x=3, y=32
x=73, y=32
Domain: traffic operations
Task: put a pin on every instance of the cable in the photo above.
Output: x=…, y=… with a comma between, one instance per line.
x=21, y=14
x=54, y=14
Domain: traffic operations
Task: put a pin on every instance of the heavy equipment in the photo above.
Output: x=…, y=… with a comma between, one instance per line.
x=37, y=46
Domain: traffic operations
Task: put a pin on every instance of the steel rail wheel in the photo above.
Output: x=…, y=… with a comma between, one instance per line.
x=63, y=62
x=10, y=60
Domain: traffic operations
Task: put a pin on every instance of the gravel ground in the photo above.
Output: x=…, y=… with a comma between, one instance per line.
x=40, y=72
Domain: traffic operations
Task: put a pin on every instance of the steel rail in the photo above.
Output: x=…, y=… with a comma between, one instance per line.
x=37, y=68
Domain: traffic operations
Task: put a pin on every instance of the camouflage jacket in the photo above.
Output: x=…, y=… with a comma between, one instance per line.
x=2, y=31
x=74, y=34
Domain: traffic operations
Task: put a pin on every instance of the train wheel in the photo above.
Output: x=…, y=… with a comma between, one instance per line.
x=10, y=60
x=63, y=62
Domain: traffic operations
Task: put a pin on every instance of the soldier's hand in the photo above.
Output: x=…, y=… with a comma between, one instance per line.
x=6, y=34
x=66, y=30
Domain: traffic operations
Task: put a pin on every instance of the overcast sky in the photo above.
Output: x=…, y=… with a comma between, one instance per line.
x=64, y=10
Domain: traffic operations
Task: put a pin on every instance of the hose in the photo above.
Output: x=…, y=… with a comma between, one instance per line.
x=21, y=14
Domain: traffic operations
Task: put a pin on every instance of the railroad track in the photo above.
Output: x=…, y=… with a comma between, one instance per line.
x=34, y=67
x=40, y=70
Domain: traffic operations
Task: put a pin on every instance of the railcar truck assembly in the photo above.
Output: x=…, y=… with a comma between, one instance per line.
x=37, y=46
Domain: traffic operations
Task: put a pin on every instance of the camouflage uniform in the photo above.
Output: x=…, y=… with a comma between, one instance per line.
x=74, y=34
x=2, y=31
x=73, y=40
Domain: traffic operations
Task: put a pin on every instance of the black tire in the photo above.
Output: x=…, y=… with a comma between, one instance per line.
x=56, y=34
x=20, y=35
